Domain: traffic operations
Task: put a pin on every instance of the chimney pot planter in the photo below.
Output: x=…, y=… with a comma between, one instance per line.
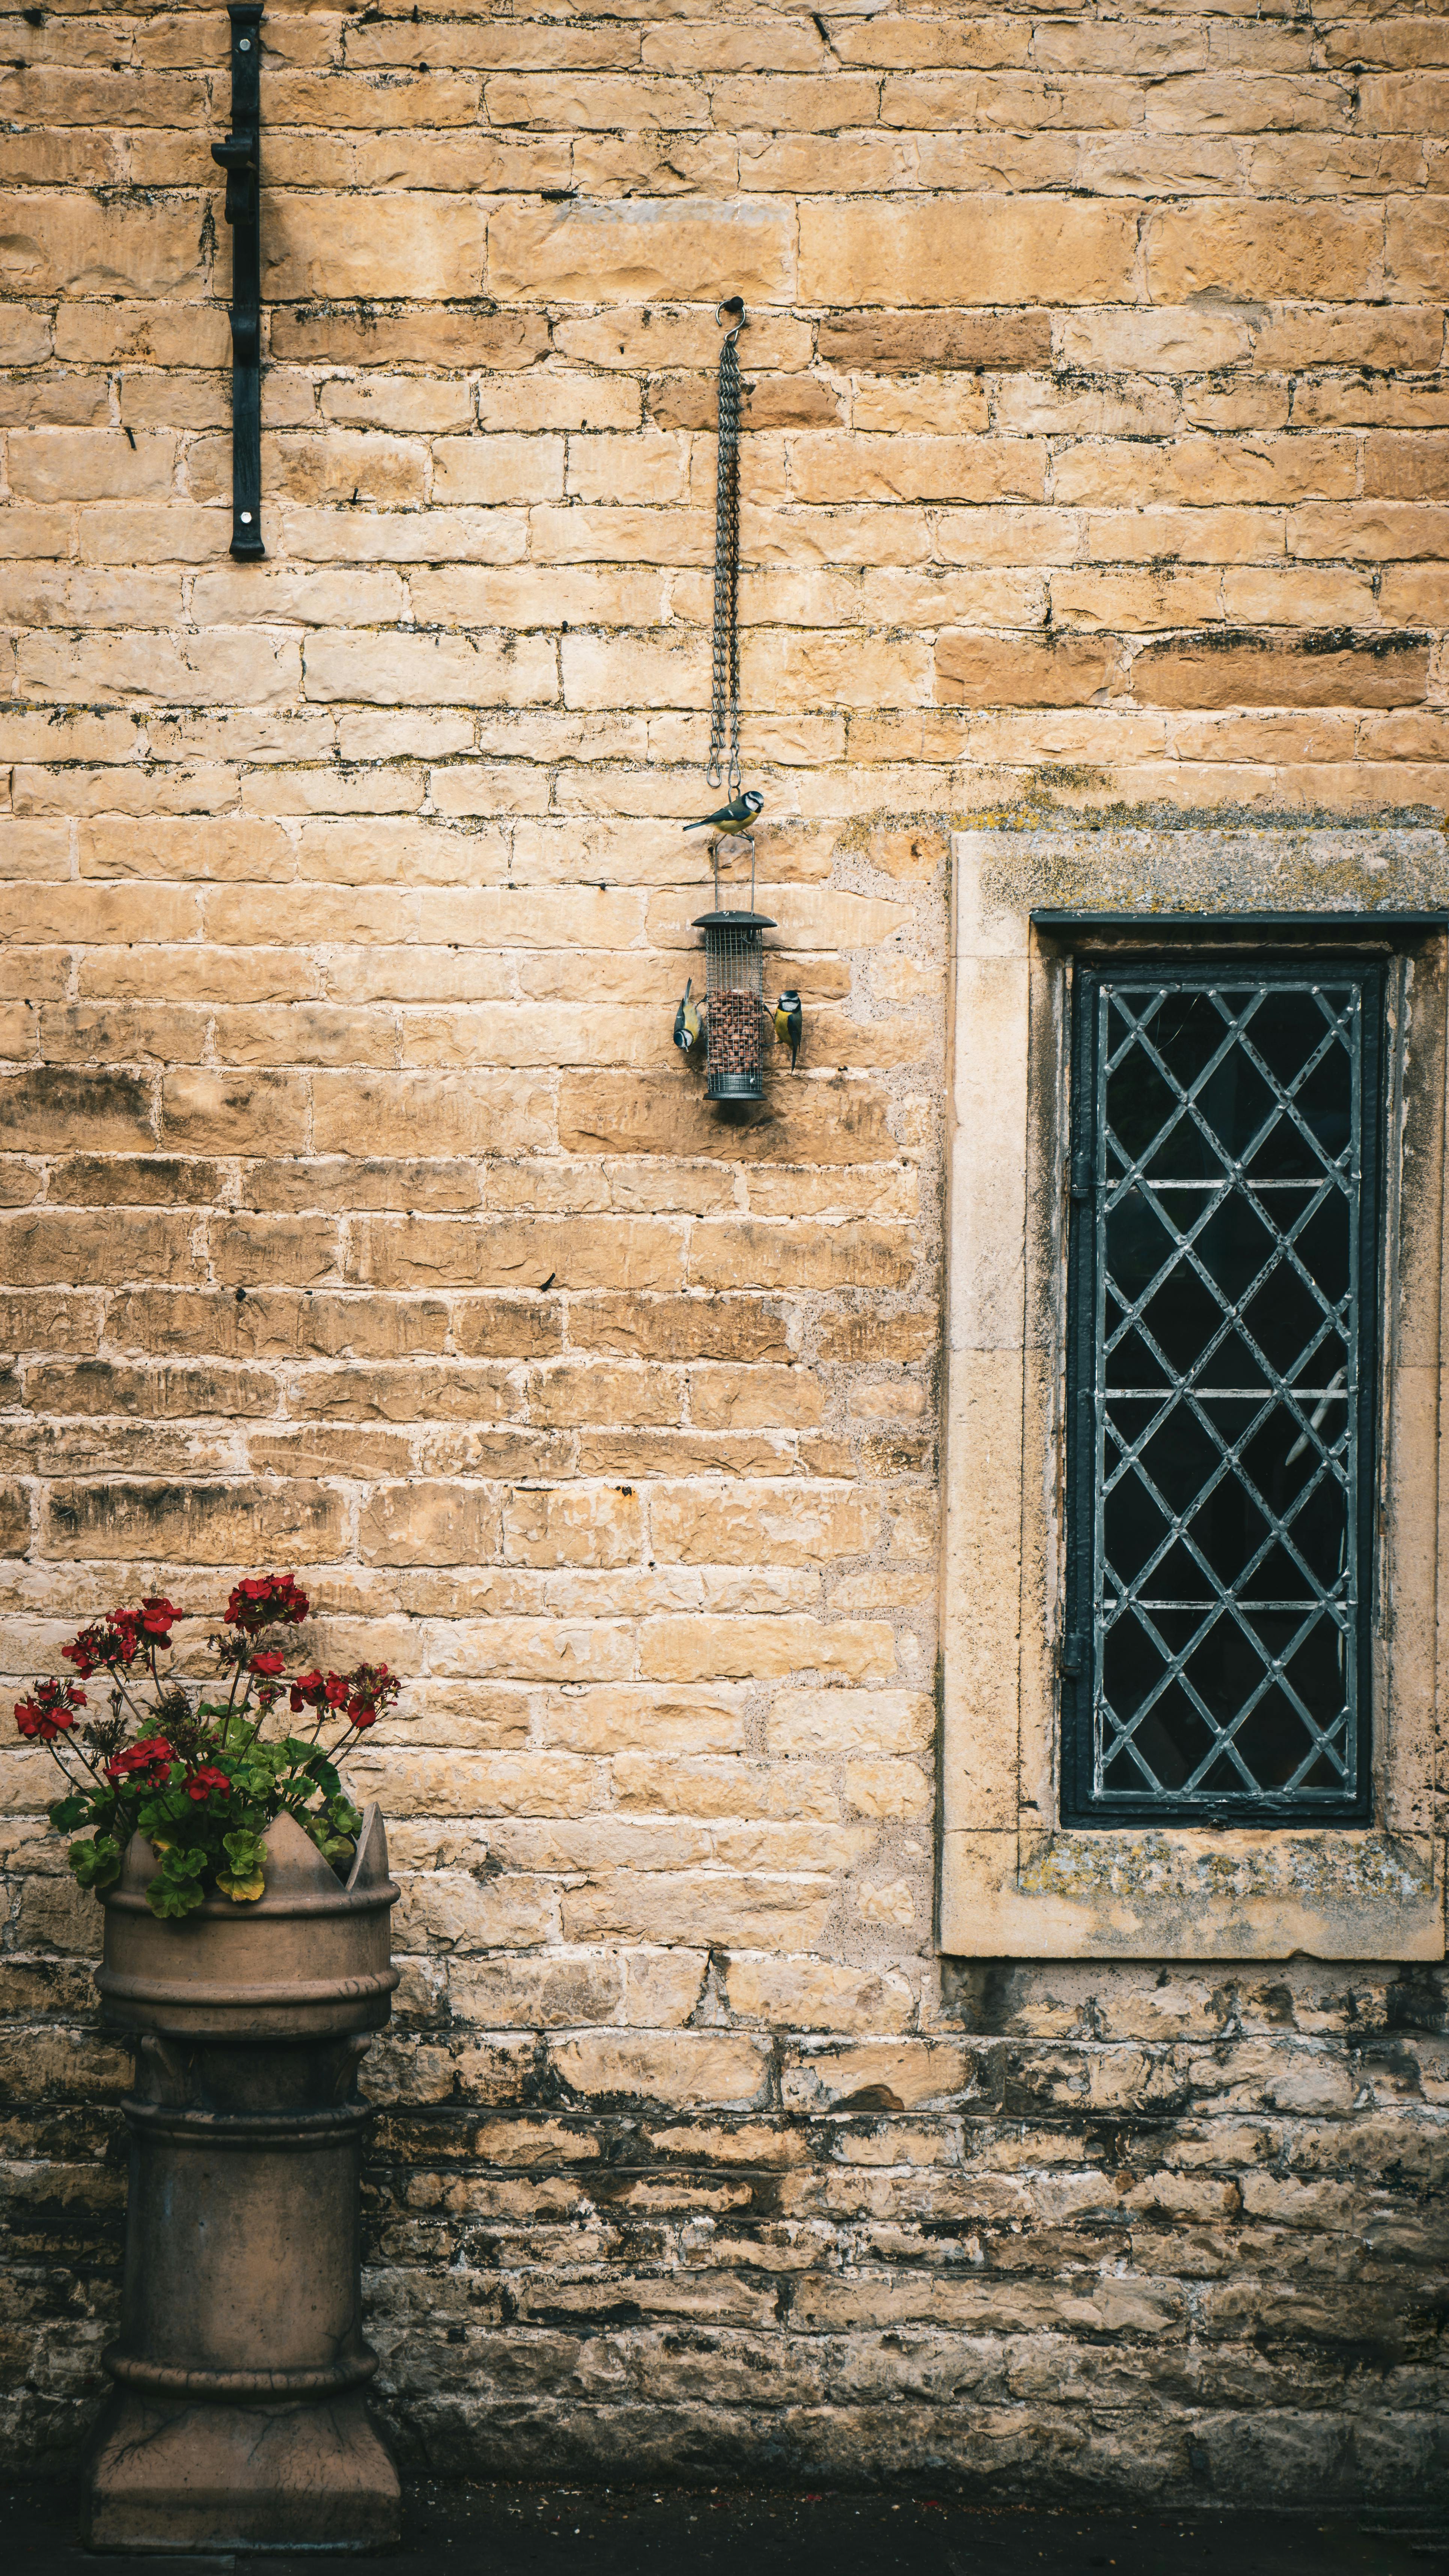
x=238, y=2417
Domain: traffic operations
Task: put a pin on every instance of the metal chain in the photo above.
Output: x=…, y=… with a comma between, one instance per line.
x=723, y=767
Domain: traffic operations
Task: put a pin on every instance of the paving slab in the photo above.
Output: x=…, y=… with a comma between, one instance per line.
x=474, y=2530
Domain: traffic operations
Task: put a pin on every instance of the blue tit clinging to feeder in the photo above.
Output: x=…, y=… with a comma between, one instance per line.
x=789, y=1022
x=737, y=816
x=688, y=1026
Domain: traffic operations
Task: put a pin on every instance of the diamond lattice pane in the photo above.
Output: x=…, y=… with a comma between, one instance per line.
x=1228, y=1208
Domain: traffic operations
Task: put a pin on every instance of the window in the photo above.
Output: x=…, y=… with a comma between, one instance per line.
x=1225, y=1185
x=1194, y=1652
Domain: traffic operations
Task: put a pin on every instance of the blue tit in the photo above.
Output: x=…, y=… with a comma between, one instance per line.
x=688, y=1026
x=789, y=1021
x=737, y=816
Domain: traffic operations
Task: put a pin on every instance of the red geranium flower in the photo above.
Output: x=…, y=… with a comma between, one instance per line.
x=268, y=1665
x=159, y=1617
x=104, y=1644
x=371, y=1689
x=203, y=1781
x=148, y=1763
x=263, y=1599
x=49, y=1711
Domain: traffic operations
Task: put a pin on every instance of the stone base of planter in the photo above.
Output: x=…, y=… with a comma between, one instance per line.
x=175, y=2475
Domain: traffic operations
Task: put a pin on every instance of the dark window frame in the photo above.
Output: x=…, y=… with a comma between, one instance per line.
x=1199, y=949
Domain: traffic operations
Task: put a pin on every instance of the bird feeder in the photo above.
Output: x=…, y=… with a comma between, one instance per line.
x=734, y=1015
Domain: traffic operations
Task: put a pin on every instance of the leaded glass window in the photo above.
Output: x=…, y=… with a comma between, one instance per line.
x=1225, y=1154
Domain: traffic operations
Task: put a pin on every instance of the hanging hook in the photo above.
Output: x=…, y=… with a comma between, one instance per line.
x=734, y=840
x=734, y=304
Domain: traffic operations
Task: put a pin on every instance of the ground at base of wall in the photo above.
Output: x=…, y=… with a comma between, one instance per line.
x=463, y=2530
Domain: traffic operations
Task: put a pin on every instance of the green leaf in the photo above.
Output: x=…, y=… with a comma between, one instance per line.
x=97, y=1864
x=179, y=1864
x=242, y=1891
x=67, y=1813
x=170, y=1901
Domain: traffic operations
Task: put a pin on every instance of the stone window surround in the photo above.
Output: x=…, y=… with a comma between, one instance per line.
x=1013, y=1883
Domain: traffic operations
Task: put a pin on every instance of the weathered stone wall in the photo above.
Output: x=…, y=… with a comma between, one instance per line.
x=358, y=1217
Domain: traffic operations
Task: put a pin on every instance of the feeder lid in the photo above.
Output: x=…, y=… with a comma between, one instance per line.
x=733, y=921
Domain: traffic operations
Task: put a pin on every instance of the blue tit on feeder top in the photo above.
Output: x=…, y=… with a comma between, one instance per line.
x=737, y=816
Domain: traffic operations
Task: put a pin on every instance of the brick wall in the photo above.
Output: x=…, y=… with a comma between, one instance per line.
x=359, y=1218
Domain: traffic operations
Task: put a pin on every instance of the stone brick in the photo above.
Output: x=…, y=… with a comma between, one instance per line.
x=420, y=1392
x=205, y=670
x=428, y=1524
x=198, y=1524
x=672, y=1328
x=714, y=1649
x=907, y=467
x=692, y=2067
x=1238, y=253
x=575, y=1525
x=104, y=1386
x=1398, y=466
x=316, y=244
x=72, y=1248
x=282, y=1323
x=1032, y=250
x=505, y=1327
x=498, y=469
x=89, y=465
x=460, y=1914
x=390, y=670
x=534, y=1253
x=569, y=1393
x=79, y=246
x=260, y=1113
x=664, y=250
x=753, y=1399
x=47, y=1321
x=775, y=1527
x=43, y=1109
x=413, y=1113
x=905, y=343
x=262, y=1251
x=725, y=1255
x=719, y=1908
x=854, y=1722
x=14, y=1520
x=454, y=334
x=1414, y=247
x=887, y=1789
x=983, y=671
x=1231, y=669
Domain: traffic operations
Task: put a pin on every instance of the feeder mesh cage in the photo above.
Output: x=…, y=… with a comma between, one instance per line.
x=734, y=1003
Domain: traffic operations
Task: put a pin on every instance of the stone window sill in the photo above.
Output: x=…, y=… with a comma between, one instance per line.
x=1188, y=1894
